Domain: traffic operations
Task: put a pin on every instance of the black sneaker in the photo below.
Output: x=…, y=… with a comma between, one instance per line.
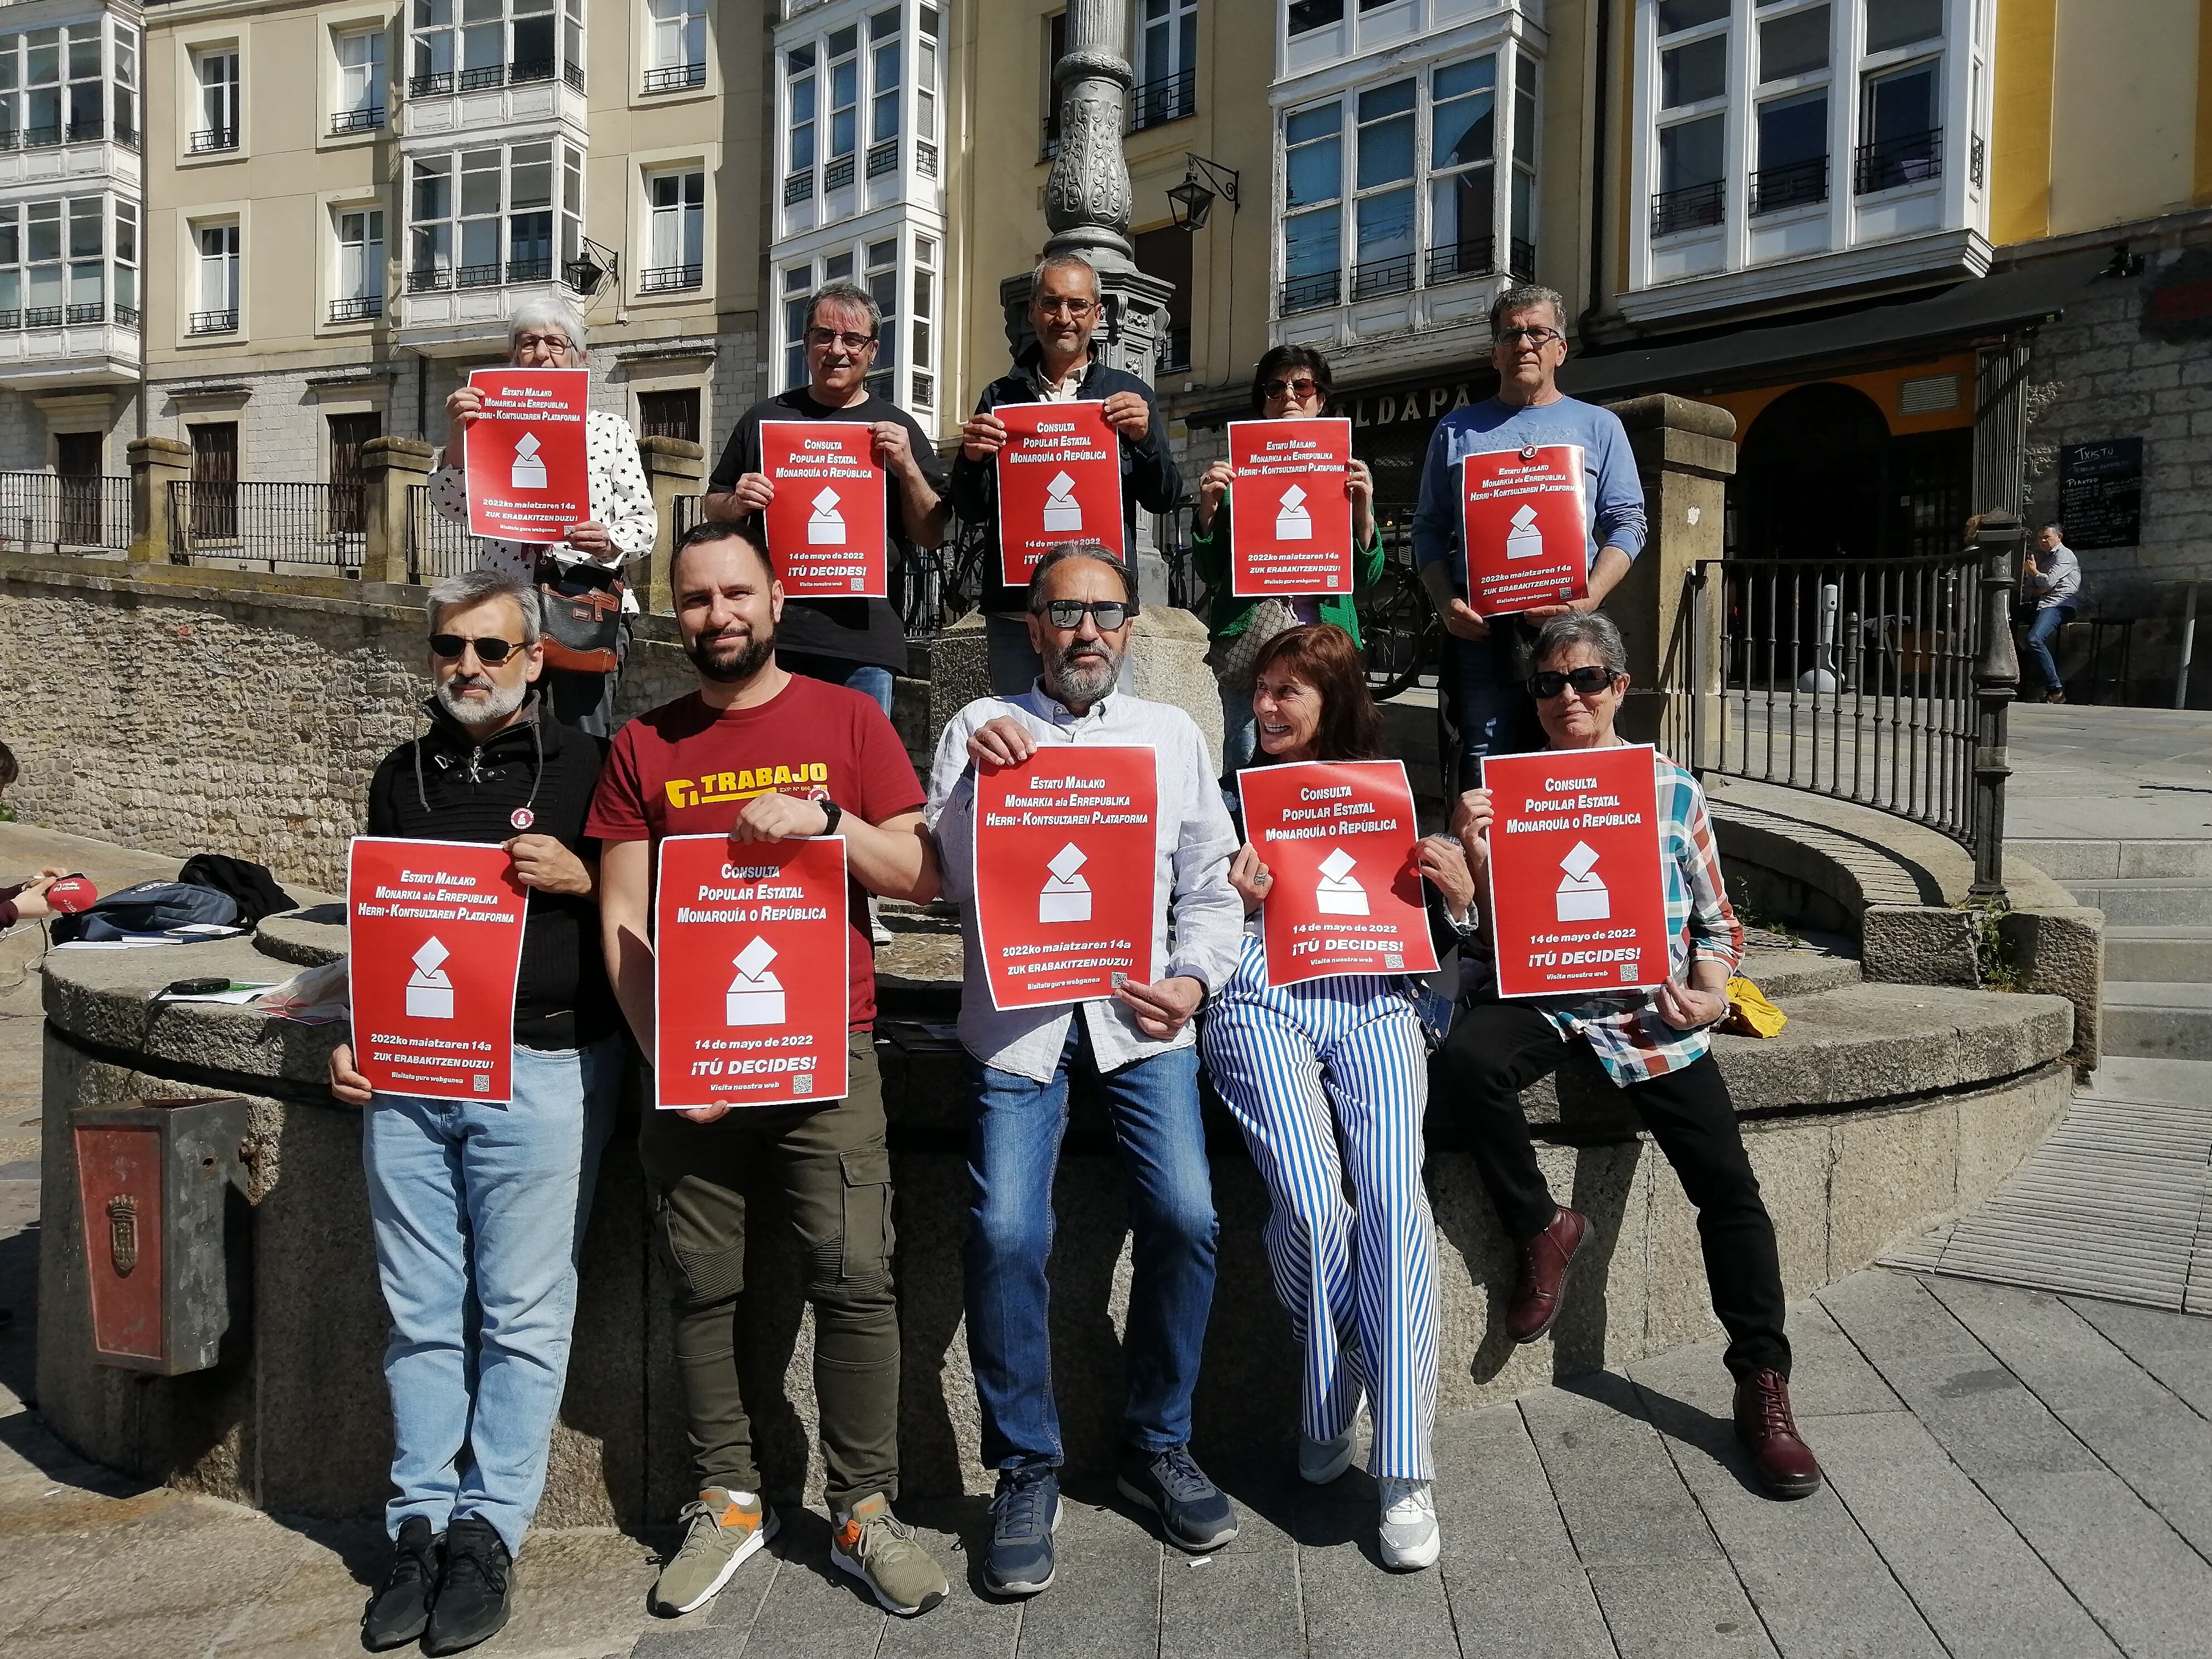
x=1194, y=1512
x=472, y=1590
x=1023, y=1515
x=400, y=1609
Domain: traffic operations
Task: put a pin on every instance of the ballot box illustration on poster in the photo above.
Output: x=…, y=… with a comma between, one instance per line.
x=751, y=971
x=435, y=931
x=1293, y=512
x=1525, y=528
x=828, y=523
x=1338, y=838
x=1065, y=896
x=1059, y=478
x=1578, y=895
x=1065, y=846
x=526, y=471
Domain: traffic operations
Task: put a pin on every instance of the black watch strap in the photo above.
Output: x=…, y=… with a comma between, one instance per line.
x=832, y=813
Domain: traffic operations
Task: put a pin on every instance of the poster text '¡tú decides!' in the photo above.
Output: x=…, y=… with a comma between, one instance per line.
x=1067, y=805
x=1328, y=817
x=1055, y=441
x=754, y=895
x=1573, y=809
x=437, y=895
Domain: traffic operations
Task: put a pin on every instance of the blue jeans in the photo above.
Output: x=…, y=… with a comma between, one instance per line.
x=1239, y=730
x=872, y=679
x=2047, y=623
x=1491, y=714
x=478, y=1211
x=1013, y=1150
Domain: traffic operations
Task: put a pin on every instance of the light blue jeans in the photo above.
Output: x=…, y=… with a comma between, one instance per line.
x=478, y=1212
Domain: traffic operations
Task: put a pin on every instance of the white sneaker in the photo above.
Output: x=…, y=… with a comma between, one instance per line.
x=1409, y=1538
x=1322, y=1460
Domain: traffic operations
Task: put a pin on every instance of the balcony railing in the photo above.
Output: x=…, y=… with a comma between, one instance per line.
x=493, y=75
x=1795, y=184
x=127, y=316
x=427, y=279
x=883, y=158
x=1168, y=99
x=1049, y=137
x=366, y=120
x=216, y=521
x=42, y=316
x=94, y=311
x=530, y=270
x=1174, y=348
x=1977, y=160
x=665, y=279
x=1691, y=208
x=838, y=173
x=572, y=76
x=1312, y=293
x=208, y=140
x=1372, y=279
x=441, y=81
x=128, y=138
x=798, y=187
x=1523, y=266
x=676, y=78
x=477, y=276
x=435, y=84
x=925, y=158
x=359, y=309
x=1476, y=257
x=41, y=137
x=1910, y=158
x=213, y=322
x=70, y=514
x=84, y=130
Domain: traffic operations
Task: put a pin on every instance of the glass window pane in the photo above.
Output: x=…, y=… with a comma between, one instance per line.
x=1675, y=15
x=1902, y=105
x=1385, y=225
x=1377, y=102
x=1689, y=153
x=1690, y=74
x=1314, y=173
x=1892, y=23
x=1311, y=243
x=1305, y=15
x=1796, y=45
x=1386, y=151
x=844, y=41
x=1310, y=123
x=1793, y=129
x=1460, y=210
x=1456, y=80
x=1524, y=110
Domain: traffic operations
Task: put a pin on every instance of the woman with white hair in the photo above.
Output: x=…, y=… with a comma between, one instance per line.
x=548, y=332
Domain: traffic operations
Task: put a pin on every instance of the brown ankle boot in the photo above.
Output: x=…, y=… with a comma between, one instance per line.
x=1786, y=1466
x=1544, y=1261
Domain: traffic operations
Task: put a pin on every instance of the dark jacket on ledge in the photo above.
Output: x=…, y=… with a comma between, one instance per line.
x=1150, y=478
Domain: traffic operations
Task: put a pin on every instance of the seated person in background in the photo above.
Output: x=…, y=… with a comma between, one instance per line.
x=24, y=901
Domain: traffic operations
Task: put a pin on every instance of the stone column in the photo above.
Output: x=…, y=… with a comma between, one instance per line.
x=155, y=464
x=391, y=468
x=673, y=467
x=1684, y=455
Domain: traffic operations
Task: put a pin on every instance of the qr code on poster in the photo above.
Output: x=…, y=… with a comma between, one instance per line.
x=1394, y=959
x=1120, y=980
x=1628, y=973
x=803, y=1084
x=860, y=584
x=482, y=1084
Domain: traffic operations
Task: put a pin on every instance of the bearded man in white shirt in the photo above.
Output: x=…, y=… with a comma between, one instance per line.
x=1140, y=1045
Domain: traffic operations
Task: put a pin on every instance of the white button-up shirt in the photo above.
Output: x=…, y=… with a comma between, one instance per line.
x=1190, y=877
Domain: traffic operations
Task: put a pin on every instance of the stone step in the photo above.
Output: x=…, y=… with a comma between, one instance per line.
x=2070, y=861
x=2183, y=953
x=2148, y=901
x=2162, y=1020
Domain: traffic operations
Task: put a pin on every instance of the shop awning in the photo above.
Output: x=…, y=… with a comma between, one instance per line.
x=1974, y=309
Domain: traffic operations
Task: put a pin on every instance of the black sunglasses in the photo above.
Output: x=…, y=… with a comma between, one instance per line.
x=1068, y=613
x=490, y=653
x=1589, y=680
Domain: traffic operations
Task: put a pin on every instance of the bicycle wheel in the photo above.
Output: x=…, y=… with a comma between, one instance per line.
x=1394, y=633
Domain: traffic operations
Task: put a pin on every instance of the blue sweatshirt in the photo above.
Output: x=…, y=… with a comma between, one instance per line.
x=1611, y=493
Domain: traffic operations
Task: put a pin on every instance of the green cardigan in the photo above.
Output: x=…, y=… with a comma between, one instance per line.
x=1209, y=555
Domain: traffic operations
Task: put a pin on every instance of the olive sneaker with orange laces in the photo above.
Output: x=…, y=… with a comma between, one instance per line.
x=881, y=1552
x=725, y=1528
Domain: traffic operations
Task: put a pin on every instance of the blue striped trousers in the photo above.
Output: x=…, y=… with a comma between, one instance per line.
x=1328, y=1080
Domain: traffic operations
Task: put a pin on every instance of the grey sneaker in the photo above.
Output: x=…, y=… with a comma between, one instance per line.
x=725, y=1528
x=877, y=1549
x=1320, y=1461
x=1408, y=1537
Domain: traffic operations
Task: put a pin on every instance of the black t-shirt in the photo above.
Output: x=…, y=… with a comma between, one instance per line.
x=856, y=630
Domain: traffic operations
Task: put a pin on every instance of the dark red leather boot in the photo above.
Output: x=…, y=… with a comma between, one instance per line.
x=1544, y=1261
x=1786, y=1466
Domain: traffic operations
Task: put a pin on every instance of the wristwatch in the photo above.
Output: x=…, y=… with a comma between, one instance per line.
x=831, y=813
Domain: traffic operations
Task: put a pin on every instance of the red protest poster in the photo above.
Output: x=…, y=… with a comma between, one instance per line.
x=1293, y=517
x=1526, y=531
x=751, y=981
x=1065, y=847
x=1577, y=893
x=527, y=478
x=1338, y=837
x=827, y=525
x=1059, y=480
x=435, y=937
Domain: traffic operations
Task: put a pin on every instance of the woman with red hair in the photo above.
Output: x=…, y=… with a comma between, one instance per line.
x=1327, y=1079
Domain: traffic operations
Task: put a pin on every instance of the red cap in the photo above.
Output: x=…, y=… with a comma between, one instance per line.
x=71, y=894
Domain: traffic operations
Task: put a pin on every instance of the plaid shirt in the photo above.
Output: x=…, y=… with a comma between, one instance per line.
x=1632, y=1042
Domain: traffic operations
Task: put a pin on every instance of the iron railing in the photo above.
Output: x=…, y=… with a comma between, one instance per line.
x=798, y=187
x=81, y=515
x=1314, y=293
x=318, y=526
x=883, y=158
x=359, y=309
x=208, y=140
x=211, y=322
x=1795, y=184
x=1476, y=256
x=1169, y=97
x=1873, y=681
x=838, y=173
x=1910, y=158
x=1690, y=208
x=436, y=546
x=660, y=279
x=365, y=119
x=1373, y=279
x=676, y=78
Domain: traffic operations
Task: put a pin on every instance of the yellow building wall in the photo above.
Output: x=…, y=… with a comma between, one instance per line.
x=2125, y=136
x=1881, y=384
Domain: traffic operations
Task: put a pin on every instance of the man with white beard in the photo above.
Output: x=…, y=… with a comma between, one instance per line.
x=484, y=1206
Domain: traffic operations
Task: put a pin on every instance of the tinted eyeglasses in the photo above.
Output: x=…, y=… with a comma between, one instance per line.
x=1588, y=681
x=1301, y=388
x=830, y=337
x=1110, y=614
x=490, y=653
x=1534, y=336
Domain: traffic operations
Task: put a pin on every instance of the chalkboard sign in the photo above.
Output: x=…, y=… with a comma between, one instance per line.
x=2100, y=493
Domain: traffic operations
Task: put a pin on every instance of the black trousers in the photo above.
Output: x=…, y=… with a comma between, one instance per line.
x=1496, y=1049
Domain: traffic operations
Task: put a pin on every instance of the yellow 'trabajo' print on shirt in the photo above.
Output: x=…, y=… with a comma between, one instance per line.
x=741, y=785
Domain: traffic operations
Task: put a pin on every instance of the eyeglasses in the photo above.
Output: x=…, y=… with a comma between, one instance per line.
x=1054, y=307
x=1589, y=680
x=1301, y=389
x=1534, y=336
x=826, y=336
x=1068, y=613
x=490, y=653
x=550, y=342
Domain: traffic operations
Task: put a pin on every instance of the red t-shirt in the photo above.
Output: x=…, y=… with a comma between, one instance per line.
x=687, y=770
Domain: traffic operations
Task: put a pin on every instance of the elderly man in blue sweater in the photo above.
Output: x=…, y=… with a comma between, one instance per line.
x=1486, y=663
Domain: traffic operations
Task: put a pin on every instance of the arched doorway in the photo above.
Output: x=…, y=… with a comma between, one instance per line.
x=1812, y=476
